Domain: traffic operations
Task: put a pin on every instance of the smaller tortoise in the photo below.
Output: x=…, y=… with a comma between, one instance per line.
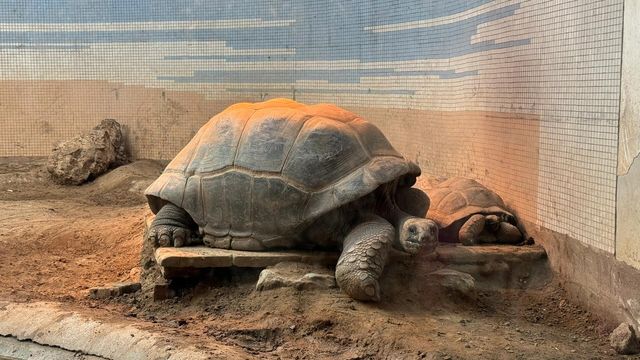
x=468, y=212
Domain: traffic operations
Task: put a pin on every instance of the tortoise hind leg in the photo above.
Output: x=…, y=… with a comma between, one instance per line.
x=363, y=258
x=172, y=226
x=508, y=234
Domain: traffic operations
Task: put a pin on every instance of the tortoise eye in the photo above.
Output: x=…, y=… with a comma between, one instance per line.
x=412, y=229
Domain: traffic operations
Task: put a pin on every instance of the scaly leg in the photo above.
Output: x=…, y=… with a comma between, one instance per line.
x=508, y=234
x=470, y=231
x=172, y=227
x=363, y=258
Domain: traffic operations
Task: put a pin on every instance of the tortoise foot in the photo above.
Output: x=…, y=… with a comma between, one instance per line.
x=172, y=227
x=363, y=258
x=360, y=285
x=170, y=235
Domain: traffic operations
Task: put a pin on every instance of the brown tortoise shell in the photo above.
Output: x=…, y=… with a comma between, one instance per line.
x=457, y=198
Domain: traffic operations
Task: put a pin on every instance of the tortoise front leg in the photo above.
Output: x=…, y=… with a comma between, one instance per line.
x=172, y=226
x=470, y=231
x=363, y=258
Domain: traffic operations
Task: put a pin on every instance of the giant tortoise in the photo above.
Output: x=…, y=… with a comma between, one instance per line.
x=281, y=174
x=468, y=212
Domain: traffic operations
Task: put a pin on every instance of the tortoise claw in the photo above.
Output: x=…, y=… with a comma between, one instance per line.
x=167, y=235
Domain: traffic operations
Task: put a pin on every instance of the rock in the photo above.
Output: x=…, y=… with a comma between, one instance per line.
x=296, y=275
x=624, y=340
x=134, y=274
x=430, y=356
x=87, y=156
x=162, y=290
x=112, y=290
x=454, y=281
x=105, y=338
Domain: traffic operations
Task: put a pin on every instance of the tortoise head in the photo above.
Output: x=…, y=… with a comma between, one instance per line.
x=416, y=233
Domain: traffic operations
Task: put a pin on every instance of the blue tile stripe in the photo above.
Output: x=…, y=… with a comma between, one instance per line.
x=295, y=32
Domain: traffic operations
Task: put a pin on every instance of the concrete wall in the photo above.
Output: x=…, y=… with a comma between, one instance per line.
x=628, y=205
x=592, y=277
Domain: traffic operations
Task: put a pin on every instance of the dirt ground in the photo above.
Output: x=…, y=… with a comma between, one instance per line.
x=58, y=241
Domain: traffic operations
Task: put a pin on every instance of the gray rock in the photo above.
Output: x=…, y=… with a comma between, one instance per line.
x=295, y=275
x=162, y=290
x=113, y=290
x=48, y=324
x=455, y=281
x=11, y=348
x=624, y=340
x=87, y=156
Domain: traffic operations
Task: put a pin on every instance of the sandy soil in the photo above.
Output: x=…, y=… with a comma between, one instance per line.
x=57, y=241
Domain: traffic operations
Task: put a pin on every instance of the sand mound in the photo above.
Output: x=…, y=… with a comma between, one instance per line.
x=27, y=179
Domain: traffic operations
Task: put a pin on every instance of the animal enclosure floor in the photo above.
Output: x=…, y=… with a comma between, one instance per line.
x=56, y=242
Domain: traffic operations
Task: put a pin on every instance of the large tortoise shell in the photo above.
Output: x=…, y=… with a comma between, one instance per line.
x=262, y=170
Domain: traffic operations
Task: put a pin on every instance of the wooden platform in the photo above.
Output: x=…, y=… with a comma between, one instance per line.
x=205, y=257
x=459, y=254
x=184, y=261
x=174, y=261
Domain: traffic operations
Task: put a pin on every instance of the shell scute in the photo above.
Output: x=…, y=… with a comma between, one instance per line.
x=268, y=137
x=277, y=206
x=216, y=147
x=324, y=152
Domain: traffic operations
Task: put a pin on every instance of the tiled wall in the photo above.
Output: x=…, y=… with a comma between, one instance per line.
x=520, y=94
